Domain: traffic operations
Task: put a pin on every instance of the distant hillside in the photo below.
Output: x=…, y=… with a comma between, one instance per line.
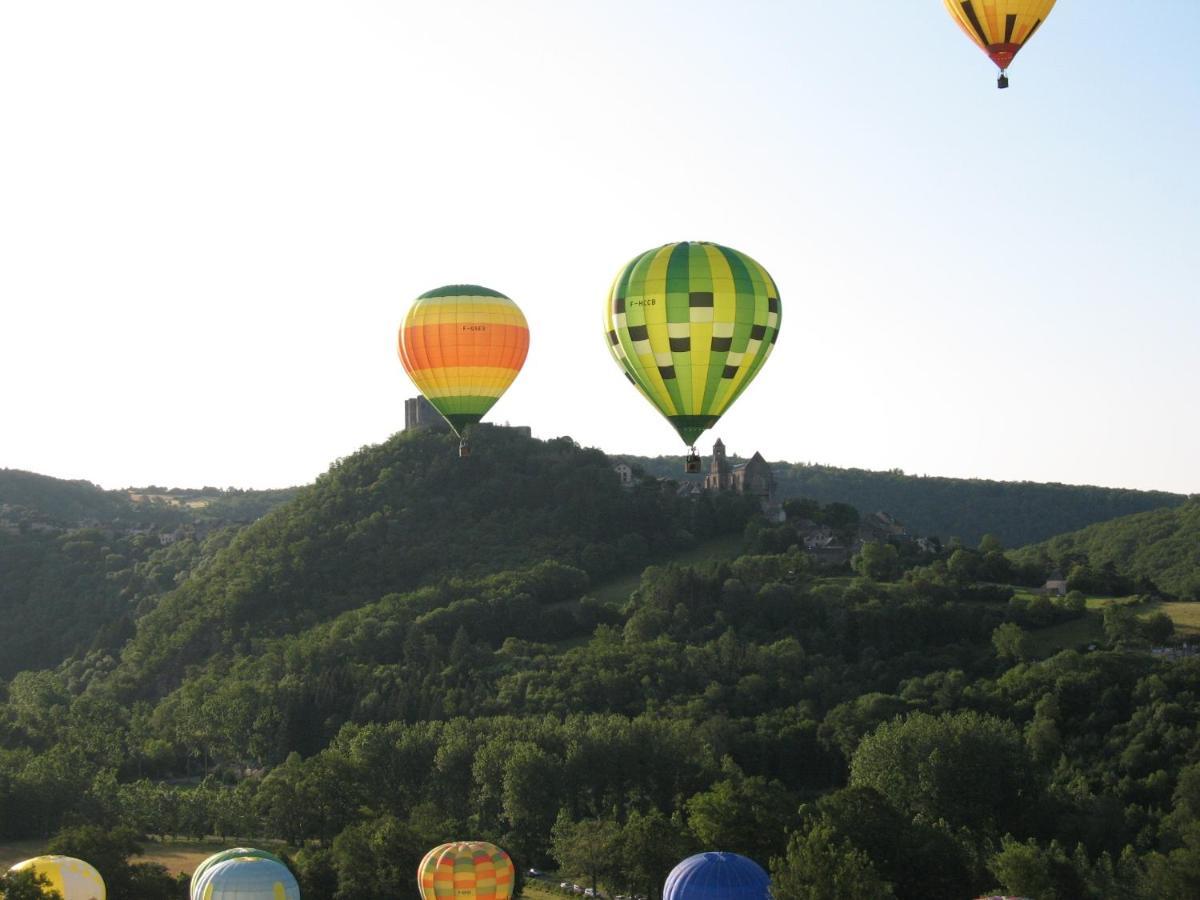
x=31, y=499
x=1017, y=512
x=30, y=496
x=1162, y=545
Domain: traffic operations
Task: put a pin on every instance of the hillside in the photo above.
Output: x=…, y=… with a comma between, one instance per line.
x=81, y=564
x=419, y=647
x=1017, y=512
x=410, y=512
x=1161, y=546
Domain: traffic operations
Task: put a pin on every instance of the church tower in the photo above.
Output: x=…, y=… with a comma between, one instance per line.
x=718, y=478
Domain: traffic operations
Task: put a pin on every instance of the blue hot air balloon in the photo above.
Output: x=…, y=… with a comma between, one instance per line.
x=717, y=876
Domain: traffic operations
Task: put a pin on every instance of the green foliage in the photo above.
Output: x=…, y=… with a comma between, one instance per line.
x=973, y=771
x=742, y=815
x=1011, y=642
x=1159, y=548
x=26, y=886
x=818, y=866
x=877, y=561
x=421, y=647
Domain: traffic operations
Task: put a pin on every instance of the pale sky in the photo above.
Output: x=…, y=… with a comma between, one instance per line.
x=214, y=215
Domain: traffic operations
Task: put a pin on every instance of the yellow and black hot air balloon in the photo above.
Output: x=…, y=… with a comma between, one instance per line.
x=466, y=870
x=691, y=324
x=999, y=28
x=462, y=345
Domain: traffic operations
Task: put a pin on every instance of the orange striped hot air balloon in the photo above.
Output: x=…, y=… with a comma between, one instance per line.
x=466, y=870
x=462, y=345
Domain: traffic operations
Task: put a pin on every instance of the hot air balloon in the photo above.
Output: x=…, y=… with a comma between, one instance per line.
x=999, y=27
x=691, y=324
x=72, y=878
x=465, y=870
x=231, y=853
x=246, y=878
x=462, y=345
x=717, y=876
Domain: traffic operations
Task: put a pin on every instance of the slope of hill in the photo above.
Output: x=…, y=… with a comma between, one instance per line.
x=1162, y=546
x=413, y=649
x=1017, y=512
x=79, y=564
x=408, y=512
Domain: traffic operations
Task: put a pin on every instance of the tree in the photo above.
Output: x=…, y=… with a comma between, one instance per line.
x=26, y=886
x=108, y=850
x=879, y=562
x=1028, y=870
x=530, y=791
x=820, y=866
x=588, y=847
x=972, y=770
x=1012, y=642
x=650, y=845
x=376, y=860
x=743, y=815
x=1158, y=628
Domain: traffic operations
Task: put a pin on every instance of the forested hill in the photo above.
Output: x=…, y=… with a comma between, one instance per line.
x=26, y=495
x=409, y=512
x=80, y=564
x=1162, y=546
x=40, y=501
x=420, y=647
x=1018, y=512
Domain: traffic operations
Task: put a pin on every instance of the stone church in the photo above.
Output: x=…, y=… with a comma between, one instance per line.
x=753, y=477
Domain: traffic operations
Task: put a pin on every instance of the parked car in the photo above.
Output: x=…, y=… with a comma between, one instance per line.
x=534, y=873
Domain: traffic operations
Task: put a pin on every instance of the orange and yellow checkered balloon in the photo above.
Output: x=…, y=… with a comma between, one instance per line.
x=466, y=870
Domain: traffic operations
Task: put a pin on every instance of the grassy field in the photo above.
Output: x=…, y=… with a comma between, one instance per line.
x=617, y=591
x=1090, y=628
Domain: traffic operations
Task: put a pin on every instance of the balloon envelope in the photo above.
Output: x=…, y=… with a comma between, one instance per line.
x=466, y=870
x=691, y=324
x=999, y=28
x=462, y=345
x=231, y=853
x=717, y=876
x=246, y=878
x=73, y=878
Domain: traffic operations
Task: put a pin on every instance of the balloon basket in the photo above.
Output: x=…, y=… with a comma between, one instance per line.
x=464, y=449
x=691, y=465
x=1002, y=81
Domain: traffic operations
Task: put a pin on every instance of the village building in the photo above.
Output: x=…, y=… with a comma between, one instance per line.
x=624, y=474
x=1055, y=584
x=754, y=477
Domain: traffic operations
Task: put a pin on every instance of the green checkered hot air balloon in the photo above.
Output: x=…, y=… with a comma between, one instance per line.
x=691, y=324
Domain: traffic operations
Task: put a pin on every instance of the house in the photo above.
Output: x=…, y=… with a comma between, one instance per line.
x=1055, y=584
x=625, y=474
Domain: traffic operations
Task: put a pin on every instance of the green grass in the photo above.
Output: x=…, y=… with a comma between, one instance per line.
x=617, y=591
x=1090, y=628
